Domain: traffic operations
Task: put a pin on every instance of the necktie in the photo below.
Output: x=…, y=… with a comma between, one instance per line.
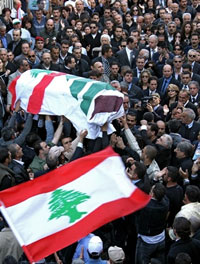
x=164, y=86
x=107, y=68
x=193, y=100
x=131, y=58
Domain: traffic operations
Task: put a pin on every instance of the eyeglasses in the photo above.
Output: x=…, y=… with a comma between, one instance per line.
x=145, y=76
x=31, y=56
x=92, y=27
x=192, y=56
x=178, y=61
x=177, y=49
x=171, y=91
x=135, y=9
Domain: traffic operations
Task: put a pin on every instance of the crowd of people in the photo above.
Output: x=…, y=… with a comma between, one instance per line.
x=149, y=50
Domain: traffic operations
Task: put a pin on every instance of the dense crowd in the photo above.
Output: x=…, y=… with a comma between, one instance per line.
x=149, y=50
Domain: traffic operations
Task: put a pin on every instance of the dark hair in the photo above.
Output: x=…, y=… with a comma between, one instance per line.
x=31, y=138
x=52, y=162
x=193, y=193
x=174, y=125
x=65, y=41
x=159, y=191
x=9, y=260
x=173, y=173
x=7, y=133
x=4, y=154
x=183, y=258
x=140, y=169
x=105, y=48
x=37, y=147
x=94, y=73
x=68, y=60
x=151, y=152
x=182, y=227
x=148, y=116
x=187, y=66
x=154, y=127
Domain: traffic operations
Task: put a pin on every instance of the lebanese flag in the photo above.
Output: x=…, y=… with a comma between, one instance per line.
x=64, y=205
x=87, y=103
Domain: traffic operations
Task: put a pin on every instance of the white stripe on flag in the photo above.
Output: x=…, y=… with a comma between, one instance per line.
x=32, y=227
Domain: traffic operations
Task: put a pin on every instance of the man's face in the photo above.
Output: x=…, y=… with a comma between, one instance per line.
x=46, y=58
x=10, y=56
x=191, y=56
x=64, y=48
x=193, y=90
x=183, y=3
x=39, y=44
x=45, y=147
x=69, y=32
x=140, y=64
x=50, y=25
x=161, y=128
x=152, y=43
x=2, y=31
x=167, y=18
x=177, y=63
x=171, y=29
x=25, y=66
x=167, y=71
x=93, y=28
x=185, y=78
x=38, y=14
x=25, y=48
x=183, y=97
x=55, y=54
x=19, y=151
x=56, y=14
x=31, y=56
x=131, y=121
x=118, y=19
x=114, y=69
x=72, y=65
x=161, y=141
x=95, y=18
x=16, y=35
x=109, y=53
x=3, y=55
x=175, y=8
x=179, y=154
x=79, y=6
x=147, y=19
x=128, y=77
x=99, y=67
x=107, y=13
x=126, y=103
x=77, y=54
x=109, y=25
x=153, y=85
x=104, y=41
x=67, y=142
x=162, y=13
x=195, y=41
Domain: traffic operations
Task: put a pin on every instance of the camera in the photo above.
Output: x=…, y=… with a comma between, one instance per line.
x=145, y=100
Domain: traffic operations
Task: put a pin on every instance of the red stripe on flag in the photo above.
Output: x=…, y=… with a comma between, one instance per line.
x=36, y=98
x=12, y=89
x=66, y=237
x=47, y=182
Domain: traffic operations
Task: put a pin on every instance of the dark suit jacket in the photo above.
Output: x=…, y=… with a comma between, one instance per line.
x=161, y=81
x=123, y=58
x=197, y=100
x=53, y=67
x=196, y=68
x=18, y=49
x=135, y=92
x=21, y=174
x=188, y=105
x=147, y=92
x=93, y=42
x=190, y=133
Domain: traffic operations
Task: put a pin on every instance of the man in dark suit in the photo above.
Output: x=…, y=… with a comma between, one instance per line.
x=189, y=128
x=16, y=164
x=166, y=80
x=81, y=64
x=153, y=85
x=194, y=92
x=16, y=43
x=70, y=66
x=46, y=63
x=194, y=76
x=4, y=37
x=191, y=57
x=183, y=100
x=140, y=63
x=153, y=42
x=92, y=40
x=127, y=56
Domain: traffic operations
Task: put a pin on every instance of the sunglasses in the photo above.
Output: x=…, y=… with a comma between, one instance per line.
x=192, y=56
x=31, y=56
x=178, y=61
x=92, y=27
x=171, y=91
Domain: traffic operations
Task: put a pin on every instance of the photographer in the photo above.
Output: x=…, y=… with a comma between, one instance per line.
x=153, y=106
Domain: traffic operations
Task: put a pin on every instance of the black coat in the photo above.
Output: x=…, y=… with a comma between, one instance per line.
x=18, y=49
x=190, y=133
x=92, y=42
x=21, y=174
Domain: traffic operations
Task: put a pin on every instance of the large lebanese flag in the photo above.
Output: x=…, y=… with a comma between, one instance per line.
x=87, y=103
x=57, y=209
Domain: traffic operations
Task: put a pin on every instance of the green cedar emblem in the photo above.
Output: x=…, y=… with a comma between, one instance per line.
x=64, y=203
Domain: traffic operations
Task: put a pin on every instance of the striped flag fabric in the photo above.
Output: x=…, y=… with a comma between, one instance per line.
x=59, y=208
x=87, y=103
